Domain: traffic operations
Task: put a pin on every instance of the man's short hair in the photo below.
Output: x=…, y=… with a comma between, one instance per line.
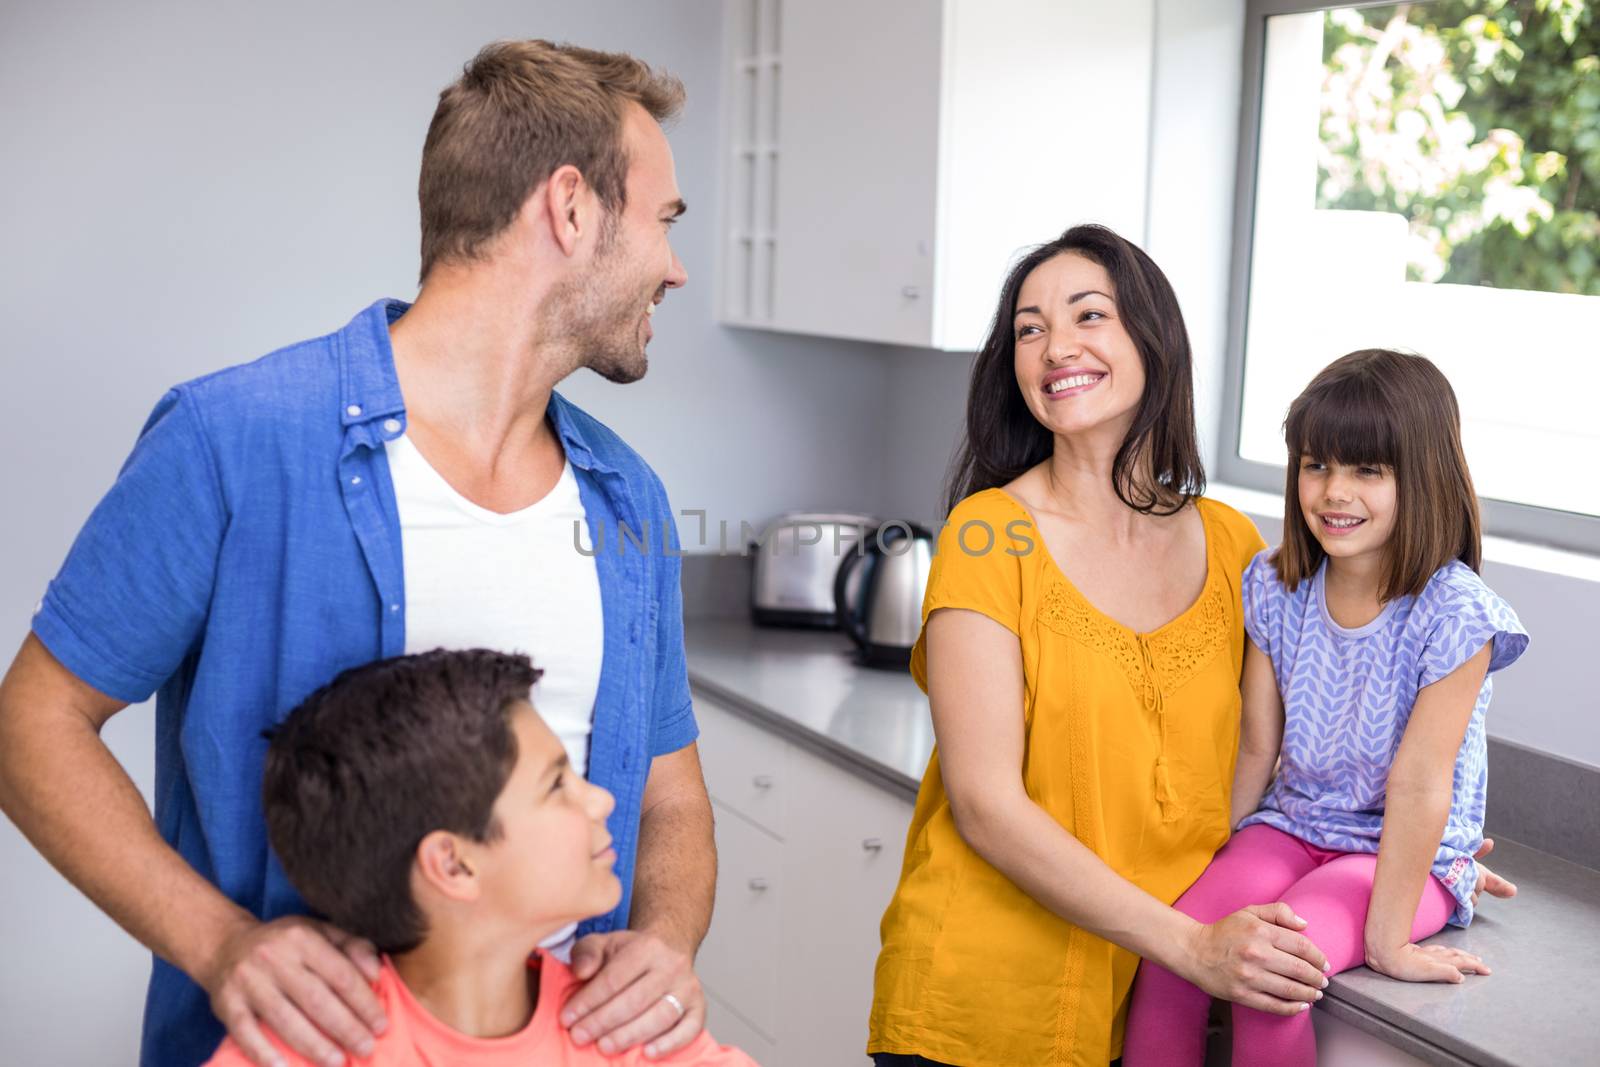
x=376, y=760
x=520, y=110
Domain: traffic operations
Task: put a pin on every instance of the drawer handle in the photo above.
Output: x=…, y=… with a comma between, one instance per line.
x=872, y=844
x=758, y=884
x=762, y=781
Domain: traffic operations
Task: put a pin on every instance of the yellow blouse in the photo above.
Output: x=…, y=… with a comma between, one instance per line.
x=1130, y=741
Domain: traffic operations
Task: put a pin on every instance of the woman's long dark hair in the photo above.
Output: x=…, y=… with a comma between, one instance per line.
x=1157, y=470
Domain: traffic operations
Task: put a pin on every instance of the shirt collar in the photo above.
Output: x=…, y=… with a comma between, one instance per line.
x=570, y=424
x=371, y=389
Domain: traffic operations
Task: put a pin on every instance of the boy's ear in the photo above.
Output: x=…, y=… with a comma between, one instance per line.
x=443, y=865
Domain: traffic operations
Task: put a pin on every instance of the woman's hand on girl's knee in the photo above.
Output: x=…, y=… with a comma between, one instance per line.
x=1426, y=963
x=1258, y=958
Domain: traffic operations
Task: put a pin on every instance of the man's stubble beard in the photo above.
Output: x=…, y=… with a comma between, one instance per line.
x=601, y=324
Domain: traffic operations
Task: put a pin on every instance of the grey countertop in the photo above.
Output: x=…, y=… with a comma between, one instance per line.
x=806, y=686
x=1537, y=1008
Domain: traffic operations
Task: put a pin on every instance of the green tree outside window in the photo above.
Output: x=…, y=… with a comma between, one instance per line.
x=1479, y=122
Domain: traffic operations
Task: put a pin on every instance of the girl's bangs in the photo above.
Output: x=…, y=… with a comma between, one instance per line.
x=1345, y=422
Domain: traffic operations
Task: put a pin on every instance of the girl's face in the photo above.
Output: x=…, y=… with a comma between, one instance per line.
x=1349, y=508
x=1076, y=365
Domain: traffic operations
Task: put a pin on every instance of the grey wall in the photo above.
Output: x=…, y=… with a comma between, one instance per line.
x=191, y=185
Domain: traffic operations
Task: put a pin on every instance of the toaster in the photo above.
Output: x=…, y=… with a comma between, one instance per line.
x=795, y=564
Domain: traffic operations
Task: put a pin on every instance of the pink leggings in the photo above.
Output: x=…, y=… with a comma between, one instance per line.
x=1260, y=865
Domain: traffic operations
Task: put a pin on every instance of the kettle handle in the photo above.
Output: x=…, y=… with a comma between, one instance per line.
x=843, y=611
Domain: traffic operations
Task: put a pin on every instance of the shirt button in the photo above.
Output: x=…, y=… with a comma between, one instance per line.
x=356, y=480
x=394, y=607
x=353, y=410
x=391, y=425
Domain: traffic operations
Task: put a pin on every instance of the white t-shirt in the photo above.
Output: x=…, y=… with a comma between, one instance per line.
x=515, y=583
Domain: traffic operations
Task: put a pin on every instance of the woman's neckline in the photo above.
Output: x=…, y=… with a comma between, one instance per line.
x=1140, y=635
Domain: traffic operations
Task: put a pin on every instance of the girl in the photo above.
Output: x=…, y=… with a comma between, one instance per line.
x=1371, y=638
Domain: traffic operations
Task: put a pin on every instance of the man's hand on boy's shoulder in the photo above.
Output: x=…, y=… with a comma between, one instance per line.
x=310, y=982
x=637, y=990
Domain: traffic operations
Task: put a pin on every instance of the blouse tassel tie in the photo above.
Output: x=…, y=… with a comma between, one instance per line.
x=1166, y=799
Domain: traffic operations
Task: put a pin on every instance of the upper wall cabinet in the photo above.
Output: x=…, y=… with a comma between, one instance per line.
x=887, y=159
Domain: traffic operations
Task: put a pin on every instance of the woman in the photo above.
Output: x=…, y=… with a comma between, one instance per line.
x=1081, y=650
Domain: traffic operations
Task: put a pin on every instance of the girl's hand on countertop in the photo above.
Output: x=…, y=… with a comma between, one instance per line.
x=1426, y=963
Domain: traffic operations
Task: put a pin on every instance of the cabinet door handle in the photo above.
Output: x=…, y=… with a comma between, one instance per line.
x=762, y=781
x=872, y=844
x=758, y=884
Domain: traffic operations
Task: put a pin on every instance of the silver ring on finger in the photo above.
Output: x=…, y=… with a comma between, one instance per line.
x=677, y=1005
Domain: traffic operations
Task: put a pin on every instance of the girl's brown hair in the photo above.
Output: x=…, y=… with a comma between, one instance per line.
x=1395, y=410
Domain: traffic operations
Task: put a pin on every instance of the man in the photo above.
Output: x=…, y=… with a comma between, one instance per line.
x=412, y=480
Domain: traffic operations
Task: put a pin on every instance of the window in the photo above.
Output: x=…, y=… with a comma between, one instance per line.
x=1426, y=176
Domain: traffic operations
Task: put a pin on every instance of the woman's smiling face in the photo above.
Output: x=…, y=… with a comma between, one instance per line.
x=1076, y=364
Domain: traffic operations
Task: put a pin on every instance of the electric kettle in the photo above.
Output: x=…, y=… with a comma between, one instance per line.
x=882, y=609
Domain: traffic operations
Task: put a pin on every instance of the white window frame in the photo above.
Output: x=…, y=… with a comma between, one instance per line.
x=1503, y=518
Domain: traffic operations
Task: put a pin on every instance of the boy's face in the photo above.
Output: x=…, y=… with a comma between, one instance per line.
x=553, y=860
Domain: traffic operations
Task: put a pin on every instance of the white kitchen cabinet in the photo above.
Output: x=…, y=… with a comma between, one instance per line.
x=887, y=160
x=845, y=862
x=789, y=960
x=747, y=770
x=752, y=888
x=1341, y=1045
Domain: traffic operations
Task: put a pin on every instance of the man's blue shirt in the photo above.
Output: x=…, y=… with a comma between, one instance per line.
x=250, y=550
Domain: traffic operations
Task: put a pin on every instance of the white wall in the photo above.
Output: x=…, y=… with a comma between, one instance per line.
x=191, y=185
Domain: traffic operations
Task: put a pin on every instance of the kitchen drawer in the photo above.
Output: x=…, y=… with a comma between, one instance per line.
x=740, y=960
x=729, y=1029
x=746, y=766
x=844, y=862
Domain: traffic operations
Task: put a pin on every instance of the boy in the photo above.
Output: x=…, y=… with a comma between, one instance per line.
x=420, y=802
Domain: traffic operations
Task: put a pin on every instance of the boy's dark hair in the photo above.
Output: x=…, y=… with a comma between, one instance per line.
x=373, y=762
x=1396, y=410
x=1157, y=469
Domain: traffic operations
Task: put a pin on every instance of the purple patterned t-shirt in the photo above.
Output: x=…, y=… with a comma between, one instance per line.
x=1348, y=694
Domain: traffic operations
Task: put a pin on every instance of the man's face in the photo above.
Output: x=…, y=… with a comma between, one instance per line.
x=552, y=863
x=634, y=265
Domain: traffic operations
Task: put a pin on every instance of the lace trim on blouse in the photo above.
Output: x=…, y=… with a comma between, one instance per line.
x=1154, y=664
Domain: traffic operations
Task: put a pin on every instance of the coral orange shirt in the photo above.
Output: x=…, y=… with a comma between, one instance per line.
x=416, y=1039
